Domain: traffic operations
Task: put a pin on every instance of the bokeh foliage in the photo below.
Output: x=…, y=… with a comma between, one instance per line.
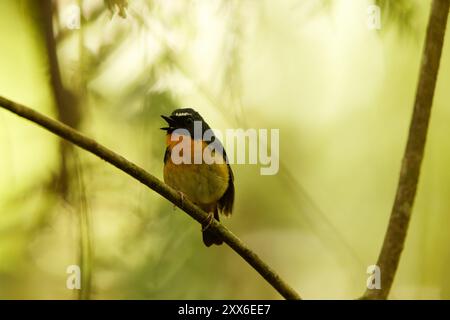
x=340, y=94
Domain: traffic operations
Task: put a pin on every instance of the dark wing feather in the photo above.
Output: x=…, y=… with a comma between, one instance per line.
x=225, y=204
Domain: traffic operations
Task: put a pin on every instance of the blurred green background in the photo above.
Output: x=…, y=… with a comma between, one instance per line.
x=340, y=93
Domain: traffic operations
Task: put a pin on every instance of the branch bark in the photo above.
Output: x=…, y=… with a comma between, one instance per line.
x=156, y=185
x=394, y=240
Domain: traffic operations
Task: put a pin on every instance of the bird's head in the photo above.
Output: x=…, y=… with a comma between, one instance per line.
x=183, y=118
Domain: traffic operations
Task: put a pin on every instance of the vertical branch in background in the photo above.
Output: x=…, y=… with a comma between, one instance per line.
x=394, y=240
x=69, y=113
x=85, y=254
x=67, y=110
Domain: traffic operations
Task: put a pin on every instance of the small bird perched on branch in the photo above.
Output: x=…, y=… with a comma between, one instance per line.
x=209, y=183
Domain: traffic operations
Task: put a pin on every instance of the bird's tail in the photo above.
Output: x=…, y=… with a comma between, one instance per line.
x=210, y=237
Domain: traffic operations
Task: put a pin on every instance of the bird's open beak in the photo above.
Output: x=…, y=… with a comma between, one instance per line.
x=169, y=121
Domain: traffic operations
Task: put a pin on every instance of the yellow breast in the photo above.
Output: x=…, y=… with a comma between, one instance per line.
x=201, y=183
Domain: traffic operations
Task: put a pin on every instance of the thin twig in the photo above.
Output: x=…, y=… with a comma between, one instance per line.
x=394, y=240
x=85, y=234
x=156, y=185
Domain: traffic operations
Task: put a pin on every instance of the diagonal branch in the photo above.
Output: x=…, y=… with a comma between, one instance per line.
x=156, y=185
x=394, y=240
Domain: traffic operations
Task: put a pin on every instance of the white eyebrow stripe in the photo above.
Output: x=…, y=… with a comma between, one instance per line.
x=182, y=114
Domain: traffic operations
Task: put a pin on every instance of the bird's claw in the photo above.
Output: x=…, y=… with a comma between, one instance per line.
x=208, y=221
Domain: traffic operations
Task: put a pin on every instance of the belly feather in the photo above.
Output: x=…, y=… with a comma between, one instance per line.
x=202, y=183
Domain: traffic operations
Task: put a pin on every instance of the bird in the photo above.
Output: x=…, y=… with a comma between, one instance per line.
x=208, y=185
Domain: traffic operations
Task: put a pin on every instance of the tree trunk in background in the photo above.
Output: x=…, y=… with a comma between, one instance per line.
x=394, y=240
